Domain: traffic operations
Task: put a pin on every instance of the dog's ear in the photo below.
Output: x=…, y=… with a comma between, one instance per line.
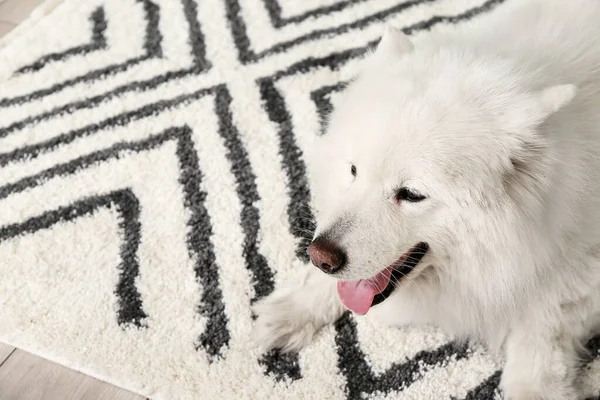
x=393, y=43
x=548, y=101
x=553, y=98
x=527, y=175
x=526, y=117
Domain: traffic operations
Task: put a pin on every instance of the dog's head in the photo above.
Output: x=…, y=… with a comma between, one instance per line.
x=429, y=150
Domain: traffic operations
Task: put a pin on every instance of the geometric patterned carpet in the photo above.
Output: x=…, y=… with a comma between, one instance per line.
x=153, y=185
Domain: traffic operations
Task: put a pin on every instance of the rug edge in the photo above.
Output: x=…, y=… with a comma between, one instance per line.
x=37, y=14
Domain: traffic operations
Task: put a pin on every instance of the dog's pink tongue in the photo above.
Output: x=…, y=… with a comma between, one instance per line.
x=357, y=296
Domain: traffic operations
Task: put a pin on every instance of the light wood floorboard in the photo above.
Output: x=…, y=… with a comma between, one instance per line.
x=15, y=11
x=24, y=376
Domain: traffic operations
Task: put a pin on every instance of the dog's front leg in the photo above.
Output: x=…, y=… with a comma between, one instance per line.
x=289, y=318
x=541, y=363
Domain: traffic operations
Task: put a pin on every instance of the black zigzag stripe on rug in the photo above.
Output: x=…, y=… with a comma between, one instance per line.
x=130, y=310
x=152, y=48
x=98, y=42
x=248, y=196
x=360, y=377
x=487, y=389
x=321, y=97
x=299, y=211
x=275, y=11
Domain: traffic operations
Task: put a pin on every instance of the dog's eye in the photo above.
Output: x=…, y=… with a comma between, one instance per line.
x=406, y=194
x=353, y=170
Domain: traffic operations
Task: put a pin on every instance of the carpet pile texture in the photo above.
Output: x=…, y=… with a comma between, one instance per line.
x=153, y=185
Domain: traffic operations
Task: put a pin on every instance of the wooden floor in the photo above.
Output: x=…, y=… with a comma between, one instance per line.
x=24, y=376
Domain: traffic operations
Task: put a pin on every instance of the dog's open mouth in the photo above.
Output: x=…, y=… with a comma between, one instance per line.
x=359, y=296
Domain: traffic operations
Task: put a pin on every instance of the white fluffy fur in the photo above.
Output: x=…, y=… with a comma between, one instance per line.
x=499, y=129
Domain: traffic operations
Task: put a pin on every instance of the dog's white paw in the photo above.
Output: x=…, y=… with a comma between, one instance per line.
x=289, y=318
x=283, y=323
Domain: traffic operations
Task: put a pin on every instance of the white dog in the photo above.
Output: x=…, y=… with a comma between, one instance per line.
x=471, y=163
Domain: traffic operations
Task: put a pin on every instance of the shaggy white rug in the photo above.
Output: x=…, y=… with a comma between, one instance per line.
x=153, y=185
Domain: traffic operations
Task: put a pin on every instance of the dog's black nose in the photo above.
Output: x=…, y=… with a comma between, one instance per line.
x=326, y=256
